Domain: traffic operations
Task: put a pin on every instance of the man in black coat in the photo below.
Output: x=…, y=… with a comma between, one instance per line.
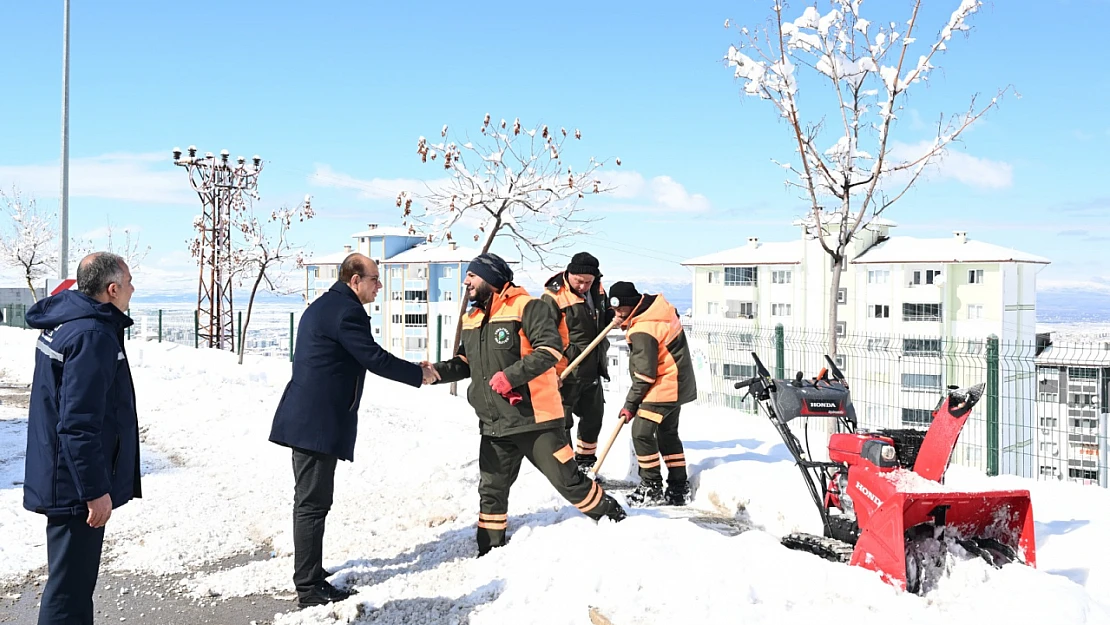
x=318, y=413
x=82, y=432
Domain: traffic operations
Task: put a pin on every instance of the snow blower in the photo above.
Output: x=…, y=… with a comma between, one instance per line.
x=881, y=495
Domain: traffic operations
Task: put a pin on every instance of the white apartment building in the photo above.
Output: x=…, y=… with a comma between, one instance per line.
x=1073, y=402
x=913, y=318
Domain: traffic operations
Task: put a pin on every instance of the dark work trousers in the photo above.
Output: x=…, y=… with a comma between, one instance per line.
x=73, y=552
x=650, y=439
x=499, y=461
x=588, y=402
x=315, y=482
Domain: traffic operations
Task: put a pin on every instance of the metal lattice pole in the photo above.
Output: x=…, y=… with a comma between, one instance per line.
x=224, y=190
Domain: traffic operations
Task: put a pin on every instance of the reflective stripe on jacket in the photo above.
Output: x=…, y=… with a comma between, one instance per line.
x=658, y=360
x=518, y=337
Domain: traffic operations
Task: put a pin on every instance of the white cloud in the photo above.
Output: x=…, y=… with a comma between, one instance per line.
x=659, y=194
x=147, y=177
x=372, y=189
x=959, y=166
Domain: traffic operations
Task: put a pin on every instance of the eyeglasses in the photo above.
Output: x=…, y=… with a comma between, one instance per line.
x=372, y=278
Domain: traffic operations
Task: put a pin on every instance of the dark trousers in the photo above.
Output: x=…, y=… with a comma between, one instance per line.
x=315, y=483
x=588, y=402
x=73, y=552
x=651, y=438
x=499, y=461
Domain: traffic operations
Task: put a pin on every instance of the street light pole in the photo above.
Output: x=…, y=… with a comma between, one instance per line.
x=63, y=260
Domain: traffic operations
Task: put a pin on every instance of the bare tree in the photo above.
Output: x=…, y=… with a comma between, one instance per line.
x=29, y=243
x=513, y=183
x=260, y=249
x=129, y=249
x=867, y=73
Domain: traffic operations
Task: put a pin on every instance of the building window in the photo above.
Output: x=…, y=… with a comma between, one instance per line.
x=878, y=276
x=448, y=296
x=738, y=372
x=397, y=296
x=378, y=331
x=878, y=345
x=741, y=276
x=930, y=276
x=448, y=272
x=377, y=307
x=416, y=320
x=397, y=318
x=920, y=312
x=841, y=329
x=841, y=362
x=735, y=309
x=711, y=308
x=421, y=272
x=916, y=416
x=923, y=381
x=1082, y=373
x=880, y=311
x=1048, y=471
x=1050, y=422
x=842, y=295
x=975, y=346
x=1082, y=474
x=975, y=276
x=921, y=347
x=416, y=296
x=780, y=310
x=975, y=311
x=414, y=343
x=395, y=272
x=780, y=276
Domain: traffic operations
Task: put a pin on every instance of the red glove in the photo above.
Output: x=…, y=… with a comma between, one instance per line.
x=627, y=415
x=500, y=383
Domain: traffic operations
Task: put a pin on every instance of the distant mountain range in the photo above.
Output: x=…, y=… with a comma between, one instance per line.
x=1053, y=306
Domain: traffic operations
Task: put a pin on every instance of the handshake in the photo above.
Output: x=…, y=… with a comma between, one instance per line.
x=430, y=375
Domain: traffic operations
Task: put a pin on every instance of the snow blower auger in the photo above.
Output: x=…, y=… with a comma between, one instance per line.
x=881, y=494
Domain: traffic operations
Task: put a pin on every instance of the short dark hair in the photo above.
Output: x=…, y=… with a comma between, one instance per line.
x=354, y=264
x=97, y=271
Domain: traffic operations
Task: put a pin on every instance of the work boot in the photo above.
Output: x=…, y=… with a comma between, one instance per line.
x=678, y=494
x=585, y=462
x=648, y=493
x=321, y=594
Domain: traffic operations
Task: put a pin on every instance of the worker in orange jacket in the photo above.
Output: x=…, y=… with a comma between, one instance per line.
x=662, y=381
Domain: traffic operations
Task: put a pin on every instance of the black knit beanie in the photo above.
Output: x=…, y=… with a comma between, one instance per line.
x=491, y=268
x=623, y=294
x=584, y=263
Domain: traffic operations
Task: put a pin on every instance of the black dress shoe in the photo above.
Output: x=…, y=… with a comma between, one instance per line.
x=323, y=593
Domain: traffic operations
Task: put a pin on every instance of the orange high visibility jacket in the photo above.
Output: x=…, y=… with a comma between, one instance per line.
x=519, y=337
x=658, y=359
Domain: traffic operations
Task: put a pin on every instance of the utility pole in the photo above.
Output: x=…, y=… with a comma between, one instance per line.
x=63, y=257
x=223, y=189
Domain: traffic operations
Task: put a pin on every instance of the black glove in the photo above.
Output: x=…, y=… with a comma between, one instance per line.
x=608, y=315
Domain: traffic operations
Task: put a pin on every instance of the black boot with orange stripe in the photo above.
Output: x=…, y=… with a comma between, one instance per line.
x=648, y=493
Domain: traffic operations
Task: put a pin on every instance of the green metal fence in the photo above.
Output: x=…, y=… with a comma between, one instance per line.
x=1044, y=415
x=269, y=333
x=13, y=315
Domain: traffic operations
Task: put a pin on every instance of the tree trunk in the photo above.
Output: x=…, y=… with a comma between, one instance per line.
x=31, y=286
x=250, y=306
x=834, y=311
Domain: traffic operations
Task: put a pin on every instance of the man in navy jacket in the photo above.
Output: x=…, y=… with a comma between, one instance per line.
x=318, y=413
x=82, y=431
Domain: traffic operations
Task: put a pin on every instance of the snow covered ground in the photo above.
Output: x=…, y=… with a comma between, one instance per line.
x=402, y=528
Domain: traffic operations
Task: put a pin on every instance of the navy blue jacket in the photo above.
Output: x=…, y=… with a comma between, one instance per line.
x=335, y=348
x=82, y=431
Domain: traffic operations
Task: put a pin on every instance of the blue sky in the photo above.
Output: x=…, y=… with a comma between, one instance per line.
x=346, y=88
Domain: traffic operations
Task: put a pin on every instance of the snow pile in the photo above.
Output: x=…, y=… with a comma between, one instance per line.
x=401, y=530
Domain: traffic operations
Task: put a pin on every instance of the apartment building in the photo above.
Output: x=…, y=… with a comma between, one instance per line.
x=1073, y=411
x=421, y=289
x=911, y=312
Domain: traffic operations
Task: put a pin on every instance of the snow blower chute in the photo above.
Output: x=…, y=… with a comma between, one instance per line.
x=881, y=494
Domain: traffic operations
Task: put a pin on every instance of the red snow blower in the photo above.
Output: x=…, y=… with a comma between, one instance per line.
x=881, y=494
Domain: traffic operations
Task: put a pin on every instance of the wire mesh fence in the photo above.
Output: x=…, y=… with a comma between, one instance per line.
x=268, y=332
x=1044, y=414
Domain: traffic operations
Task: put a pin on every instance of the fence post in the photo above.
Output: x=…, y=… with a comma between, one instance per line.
x=992, y=405
x=240, y=335
x=290, y=337
x=196, y=329
x=780, y=352
x=439, y=338
x=159, y=325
